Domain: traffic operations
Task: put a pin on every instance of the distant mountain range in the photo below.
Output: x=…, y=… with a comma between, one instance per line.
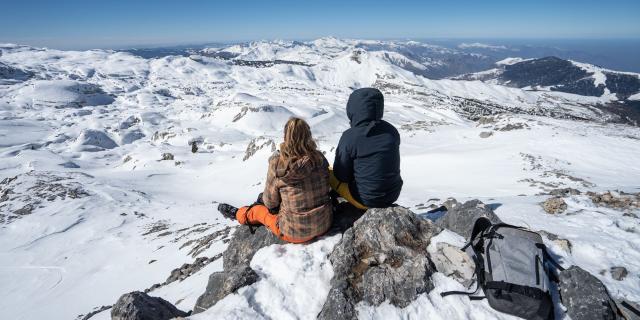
x=555, y=74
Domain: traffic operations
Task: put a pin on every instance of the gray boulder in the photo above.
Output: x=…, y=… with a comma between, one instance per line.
x=584, y=296
x=382, y=257
x=461, y=217
x=554, y=205
x=619, y=273
x=140, y=306
x=244, y=245
x=224, y=283
x=236, y=270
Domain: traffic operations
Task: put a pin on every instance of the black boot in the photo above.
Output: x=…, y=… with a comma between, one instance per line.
x=228, y=211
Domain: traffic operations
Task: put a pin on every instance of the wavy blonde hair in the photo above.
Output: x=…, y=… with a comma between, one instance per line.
x=298, y=142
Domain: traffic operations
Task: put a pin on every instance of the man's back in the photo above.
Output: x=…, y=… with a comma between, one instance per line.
x=368, y=154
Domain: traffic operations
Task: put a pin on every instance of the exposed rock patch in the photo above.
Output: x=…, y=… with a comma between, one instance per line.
x=562, y=243
x=167, y=156
x=461, y=217
x=224, y=283
x=584, y=296
x=256, y=144
x=565, y=192
x=554, y=205
x=382, y=257
x=22, y=194
x=140, y=306
x=486, y=134
x=236, y=270
x=454, y=263
x=619, y=273
x=616, y=200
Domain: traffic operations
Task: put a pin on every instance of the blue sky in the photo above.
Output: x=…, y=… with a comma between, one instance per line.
x=100, y=24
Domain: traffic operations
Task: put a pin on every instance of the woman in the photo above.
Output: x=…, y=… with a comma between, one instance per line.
x=295, y=204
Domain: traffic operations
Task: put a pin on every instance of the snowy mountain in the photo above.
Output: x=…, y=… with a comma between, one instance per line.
x=555, y=74
x=100, y=193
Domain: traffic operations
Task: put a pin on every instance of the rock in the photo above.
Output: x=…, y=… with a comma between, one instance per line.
x=486, y=134
x=454, y=263
x=562, y=243
x=224, y=283
x=616, y=200
x=167, y=156
x=554, y=205
x=194, y=147
x=382, y=257
x=565, y=192
x=584, y=296
x=187, y=269
x=94, y=140
x=461, y=217
x=129, y=122
x=236, y=270
x=619, y=273
x=244, y=245
x=140, y=306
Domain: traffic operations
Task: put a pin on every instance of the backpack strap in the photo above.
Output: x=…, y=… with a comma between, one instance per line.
x=481, y=224
x=548, y=257
x=531, y=292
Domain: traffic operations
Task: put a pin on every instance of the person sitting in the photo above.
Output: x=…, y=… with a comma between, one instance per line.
x=366, y=170
x=295, y=205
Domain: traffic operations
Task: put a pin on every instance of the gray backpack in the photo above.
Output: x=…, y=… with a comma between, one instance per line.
x=513, y=268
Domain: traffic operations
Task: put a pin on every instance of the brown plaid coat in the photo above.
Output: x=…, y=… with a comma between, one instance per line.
x=301, y=190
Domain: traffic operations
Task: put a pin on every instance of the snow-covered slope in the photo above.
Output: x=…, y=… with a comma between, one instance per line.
x=552, y=73
x=90, y=210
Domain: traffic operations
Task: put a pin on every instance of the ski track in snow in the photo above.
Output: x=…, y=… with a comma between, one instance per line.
x=101, y=121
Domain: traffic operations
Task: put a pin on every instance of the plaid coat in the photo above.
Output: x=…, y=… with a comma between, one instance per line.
x=301, y=191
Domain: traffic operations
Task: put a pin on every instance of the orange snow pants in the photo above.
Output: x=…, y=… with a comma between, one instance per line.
x=259, y=214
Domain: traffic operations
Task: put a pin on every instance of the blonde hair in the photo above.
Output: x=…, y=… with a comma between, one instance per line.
x=298, y=142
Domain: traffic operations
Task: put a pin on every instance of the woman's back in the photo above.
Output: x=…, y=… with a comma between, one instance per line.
x=300, y=188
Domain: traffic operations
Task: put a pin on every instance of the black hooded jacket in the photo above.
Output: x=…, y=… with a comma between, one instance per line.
x=368, y=154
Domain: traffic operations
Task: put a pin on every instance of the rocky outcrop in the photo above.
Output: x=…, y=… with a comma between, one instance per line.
x=140, y=306
x=565, y=244
x=618, y=273
x=454, y=263
x=167, y=156
x=225, y=283
x=382, y=257
x=236, y=270
x=584, y=296
x=616, y=200
x=245, y=244
x=461, y=217
x=554, y=205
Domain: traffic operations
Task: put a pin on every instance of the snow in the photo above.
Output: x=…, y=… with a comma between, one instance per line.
x=101, y=120
x=510, y=61
x=292, y=278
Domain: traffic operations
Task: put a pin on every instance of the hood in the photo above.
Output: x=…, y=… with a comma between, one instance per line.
x=365, y=105
x=296, y=170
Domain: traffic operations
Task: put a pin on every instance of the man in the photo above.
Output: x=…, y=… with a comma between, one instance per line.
x=366, y=170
